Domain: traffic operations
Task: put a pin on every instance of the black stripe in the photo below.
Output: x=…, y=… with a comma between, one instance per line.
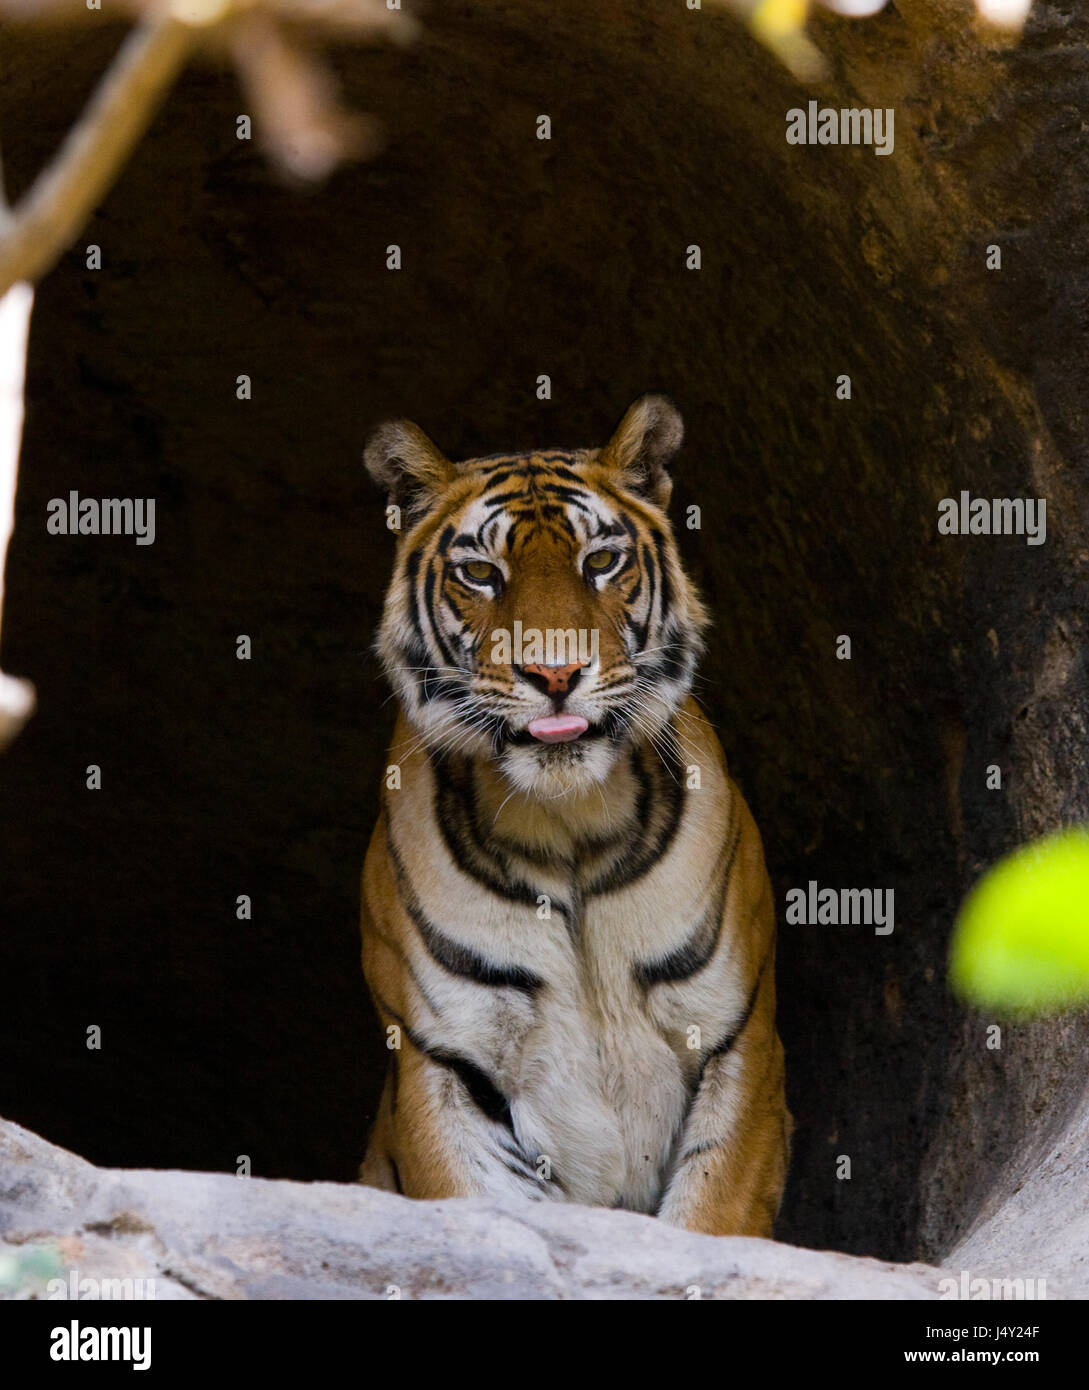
x=398, y=1020
x=455, y=812
x=497, y=503
x=702, y=1148
x=431, y=685
x=414, y=976
x=650, y=569
x=482, y=1090
x=540, y=856
x=520, y=1172
x=566, y=493
x=547, y=511
x=502, y=476
x=396, y=1175
x=721, y=1048
x=663, y=562
x=688, y=958
x=449, y=656
x=454, y=956
x=496, y=513
x=666, y=665
x=692, y=955
x=649, y=572
x=525, y=1166
x=660, y=807
x=517, y=1161
x=418, y=651
x=553, y=457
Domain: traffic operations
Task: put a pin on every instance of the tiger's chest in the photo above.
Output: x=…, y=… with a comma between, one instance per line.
x=626, y=1074
x=587, y=977
x=600, y=1060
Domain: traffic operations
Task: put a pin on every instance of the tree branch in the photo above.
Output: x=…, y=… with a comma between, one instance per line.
x=49, y=217
x=16, y=697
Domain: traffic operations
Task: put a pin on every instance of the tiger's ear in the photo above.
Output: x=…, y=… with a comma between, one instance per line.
x=413, y=471
x=645, y=441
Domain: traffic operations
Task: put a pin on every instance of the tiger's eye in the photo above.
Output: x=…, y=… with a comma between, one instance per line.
x=479, y=569
x=601, y=559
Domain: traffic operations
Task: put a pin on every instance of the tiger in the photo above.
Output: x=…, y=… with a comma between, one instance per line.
x=568, y=930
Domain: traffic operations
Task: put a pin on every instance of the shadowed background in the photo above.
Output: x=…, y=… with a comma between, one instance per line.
x=567, y=258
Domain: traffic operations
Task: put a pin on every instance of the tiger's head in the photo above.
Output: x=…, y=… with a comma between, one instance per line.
x=538, y=614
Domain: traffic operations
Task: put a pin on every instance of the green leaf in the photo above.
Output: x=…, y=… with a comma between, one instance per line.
x=1021, y=941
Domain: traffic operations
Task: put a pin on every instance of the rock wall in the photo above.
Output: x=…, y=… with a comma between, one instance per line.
x=565, y=257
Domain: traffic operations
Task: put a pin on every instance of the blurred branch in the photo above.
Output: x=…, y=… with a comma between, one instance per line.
x=48, y=218
x=302, y=125
x=304, y=128
x=780, y=26
x=16, y=696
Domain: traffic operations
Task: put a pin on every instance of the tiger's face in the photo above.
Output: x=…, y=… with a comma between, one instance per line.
x=538, y=614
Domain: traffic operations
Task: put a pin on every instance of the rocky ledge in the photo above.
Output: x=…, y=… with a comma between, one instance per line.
x=212, y=1235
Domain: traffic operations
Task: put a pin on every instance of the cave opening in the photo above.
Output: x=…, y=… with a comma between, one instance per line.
x=569, y=259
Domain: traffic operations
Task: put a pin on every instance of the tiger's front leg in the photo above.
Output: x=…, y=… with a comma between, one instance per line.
x=442, y=1131
x=731, y=1161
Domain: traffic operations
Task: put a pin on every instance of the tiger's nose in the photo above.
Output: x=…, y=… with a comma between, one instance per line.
x=554, y=680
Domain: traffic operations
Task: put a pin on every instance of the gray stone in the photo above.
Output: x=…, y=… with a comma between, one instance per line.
x=1035, y=1223
x=210, y=1235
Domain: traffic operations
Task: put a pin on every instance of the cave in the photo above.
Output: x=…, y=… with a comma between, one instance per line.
x=846, y=350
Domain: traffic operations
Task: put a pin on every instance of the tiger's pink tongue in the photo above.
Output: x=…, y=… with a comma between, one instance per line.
x=558, y=728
